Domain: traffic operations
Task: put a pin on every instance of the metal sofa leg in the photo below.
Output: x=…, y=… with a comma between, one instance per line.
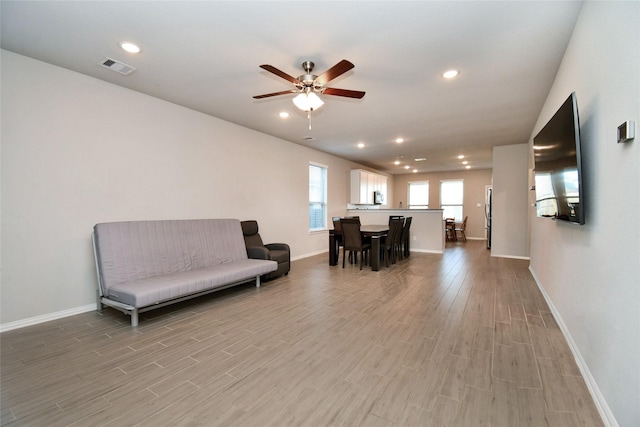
x=99, y=304
x=134, y=318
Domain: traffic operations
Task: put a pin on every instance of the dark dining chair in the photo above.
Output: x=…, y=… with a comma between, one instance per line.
x=337, y=235
x=389, y=241
x=392, y=217
x=397, y=242
x=404, y=241
x=353, y=240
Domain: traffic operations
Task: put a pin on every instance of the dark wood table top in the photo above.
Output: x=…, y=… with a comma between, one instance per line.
x=368, y=229
x=374, y=229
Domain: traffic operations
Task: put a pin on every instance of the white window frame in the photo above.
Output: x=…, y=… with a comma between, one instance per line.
x=319, y=197
x=413, y=205
x=458, y=208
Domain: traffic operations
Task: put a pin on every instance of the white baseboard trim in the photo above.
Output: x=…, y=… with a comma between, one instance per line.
x=510, y=256
x=324, y=251
x=46, y=318
x=427, y=251
x=601, y=404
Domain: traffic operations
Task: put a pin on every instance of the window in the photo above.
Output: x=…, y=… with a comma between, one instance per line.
x=546, y=201
x=451, y=199
x=418, y=195
x=317, y=197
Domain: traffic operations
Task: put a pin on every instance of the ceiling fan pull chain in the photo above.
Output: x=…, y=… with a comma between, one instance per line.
x=309, y=117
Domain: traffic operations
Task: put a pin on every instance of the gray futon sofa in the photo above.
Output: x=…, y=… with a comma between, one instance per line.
x=142, y=265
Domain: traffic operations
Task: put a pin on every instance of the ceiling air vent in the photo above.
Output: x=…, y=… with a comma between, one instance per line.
x=308, y=138
x=117, y=66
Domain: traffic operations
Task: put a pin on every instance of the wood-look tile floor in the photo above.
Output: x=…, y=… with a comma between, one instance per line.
x=459, y=339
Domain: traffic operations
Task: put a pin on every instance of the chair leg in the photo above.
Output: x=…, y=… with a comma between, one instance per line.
x=344, y=255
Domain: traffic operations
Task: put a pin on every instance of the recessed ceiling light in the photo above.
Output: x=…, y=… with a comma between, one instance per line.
x=130, y=47
x=407, y=167
x=420, y=159
x=397, y=162
x=361, y=145
x=461, y=156
x=449, y=74
x=468, y=167
x=465, y=162
x=283, y=115
x=399, y=140
x=415, y=171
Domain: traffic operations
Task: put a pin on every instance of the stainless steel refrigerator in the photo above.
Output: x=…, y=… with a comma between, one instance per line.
x=488, y=214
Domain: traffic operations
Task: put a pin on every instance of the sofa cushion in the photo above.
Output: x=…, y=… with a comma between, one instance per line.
x=154, y=290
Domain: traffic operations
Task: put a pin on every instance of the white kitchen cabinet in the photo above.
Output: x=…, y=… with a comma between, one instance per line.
x=363, y=184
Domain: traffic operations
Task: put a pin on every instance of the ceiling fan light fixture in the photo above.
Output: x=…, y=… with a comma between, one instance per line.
x=308, y=101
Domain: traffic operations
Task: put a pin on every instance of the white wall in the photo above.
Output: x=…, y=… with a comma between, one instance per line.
x=475, y=182
x=591, y=273
x=77, y=151
x=510, y=225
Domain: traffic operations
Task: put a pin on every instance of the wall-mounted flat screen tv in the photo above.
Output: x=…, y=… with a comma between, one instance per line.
x=558, y=168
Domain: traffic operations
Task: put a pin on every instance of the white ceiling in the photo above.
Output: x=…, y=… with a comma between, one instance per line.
x=205, y=56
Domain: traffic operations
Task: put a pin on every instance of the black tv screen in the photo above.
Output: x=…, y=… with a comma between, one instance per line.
x=558, y=169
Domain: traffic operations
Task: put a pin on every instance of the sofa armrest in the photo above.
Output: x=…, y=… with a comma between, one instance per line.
x=278, y=247
x=257, y=252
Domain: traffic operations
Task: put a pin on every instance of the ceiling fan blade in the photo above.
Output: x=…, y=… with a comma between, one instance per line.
x=335, y=71
x=343, y=92
x=267, y=95
x=274, y=70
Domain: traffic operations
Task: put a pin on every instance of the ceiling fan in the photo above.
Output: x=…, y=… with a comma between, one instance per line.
x=308, y=85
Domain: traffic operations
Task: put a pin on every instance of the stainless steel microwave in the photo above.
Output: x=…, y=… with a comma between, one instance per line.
x=378, y=198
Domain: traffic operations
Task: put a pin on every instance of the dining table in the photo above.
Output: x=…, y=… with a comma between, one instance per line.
x=373, y=231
